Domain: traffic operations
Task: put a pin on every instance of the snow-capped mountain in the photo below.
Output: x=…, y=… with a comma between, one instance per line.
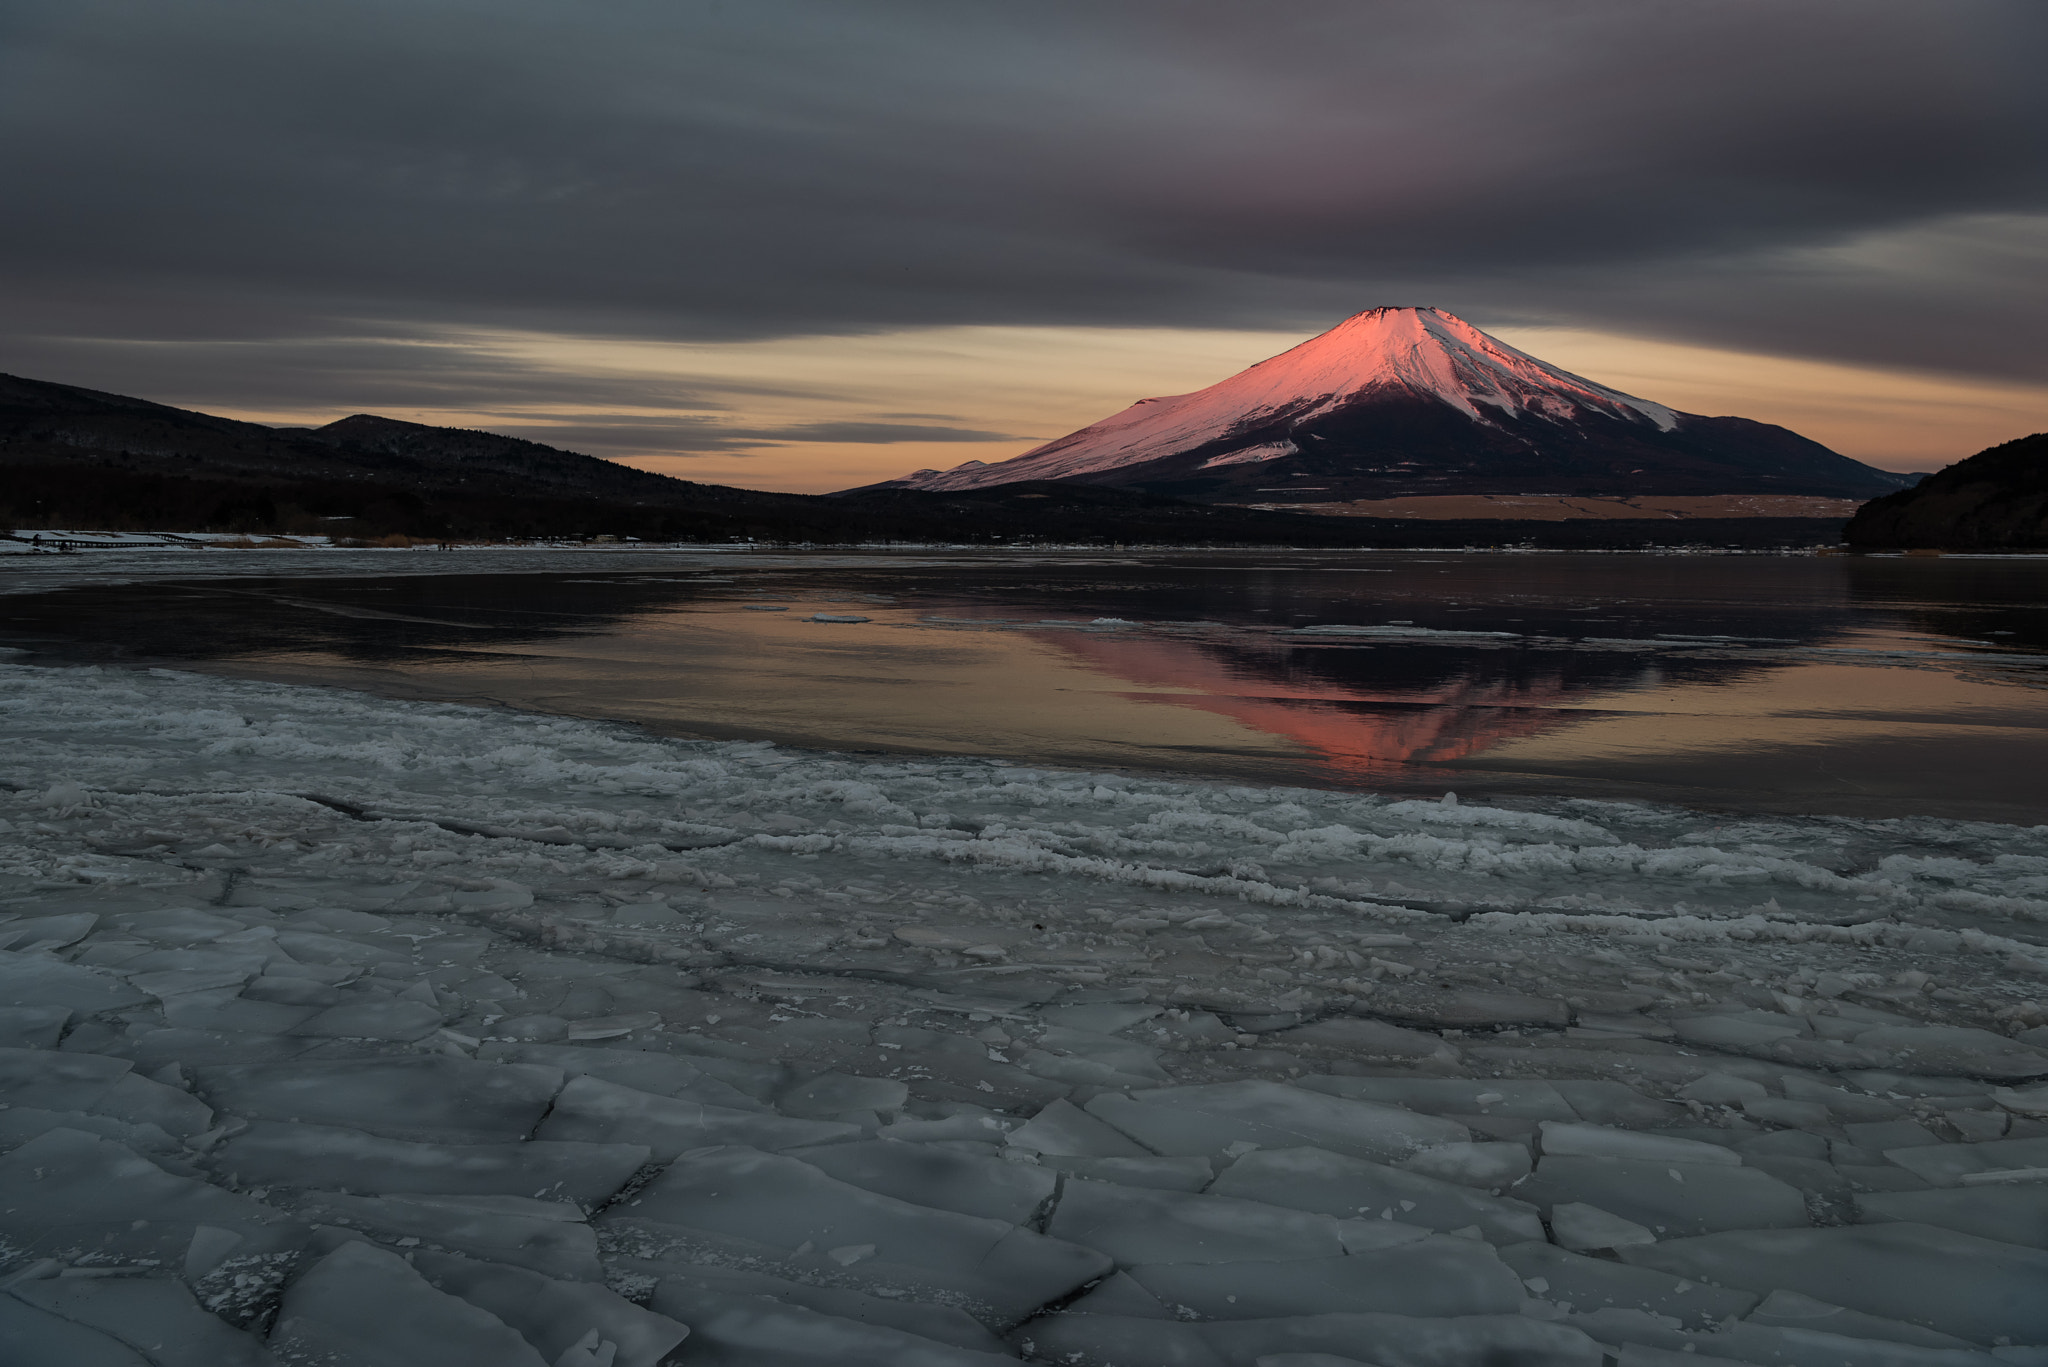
x=1404, y=401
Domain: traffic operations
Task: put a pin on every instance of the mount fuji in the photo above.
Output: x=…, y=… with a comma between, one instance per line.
x=1406, y=402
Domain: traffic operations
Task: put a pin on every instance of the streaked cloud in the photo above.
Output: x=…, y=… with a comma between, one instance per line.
x=451, y=208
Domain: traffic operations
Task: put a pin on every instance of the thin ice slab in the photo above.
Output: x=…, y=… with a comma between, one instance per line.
x=1209, y=1118
x=435, y=1099
x=1956, y=1283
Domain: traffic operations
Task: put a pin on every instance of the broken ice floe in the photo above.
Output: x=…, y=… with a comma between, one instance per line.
x=358, y=1031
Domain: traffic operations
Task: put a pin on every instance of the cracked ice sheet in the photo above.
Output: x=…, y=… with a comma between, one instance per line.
x=436, y=938
x=967, y=877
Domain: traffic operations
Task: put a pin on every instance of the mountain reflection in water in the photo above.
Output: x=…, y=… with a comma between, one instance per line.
x=1369, y=711
x=1821, y=684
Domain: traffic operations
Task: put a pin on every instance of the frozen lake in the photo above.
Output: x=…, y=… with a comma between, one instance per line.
x=1859, y=686
x=399, y=1031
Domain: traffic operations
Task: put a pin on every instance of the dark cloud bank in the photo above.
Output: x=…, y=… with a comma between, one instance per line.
x=279, y=204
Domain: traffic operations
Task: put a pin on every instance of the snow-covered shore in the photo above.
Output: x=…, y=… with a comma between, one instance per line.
x=402, y=1032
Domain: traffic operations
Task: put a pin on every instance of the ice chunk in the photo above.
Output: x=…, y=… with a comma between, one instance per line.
x=312, y=947
x=1207, y=1119
x=274, y=1153
x=1614, y=1103
x=1162, y=1174
x=1670, y=1199
x=931, y=1176
x=1469, y=1008
x=363, y=1307
x=100, y=1086
x=594, y=1110
x=1117, y=1294
x=535, y=1027
x=1067, y=1071
x=1435, y=1276
x=1798, y=1114
x=958, y=1062
x=170, y=984
x=739, y=1330
x=1100, y=1340
x=949, y=1120
x=1760, y=1034
x=2013, y=1214
x=1955, y=1051
x=1099, y=1018
x=780, y=1201
x=939, y=1323
x=1117, y=1055
x=41, y=1077
x=2032, y=1101
x=1405, y=1341
x=1064, y=1128
x=1842, y=1104
x=1948, y=1165
x=642, y=1070
x=288, y=990
x=386, y=1018
x=554, y=1315
x=1588, y=1284
x=156, y=1316
x=1956, y=1283
x=1137, y=1225
x=1578, y=1226
x=33, y=1027
x=432, y=1099
x=19, y=1124
x=502, y=1229
x=1489, y=1165
x=1338, y=1185
x=1531, y=1100
x=1977, y=1126
x=834, y=1094
x=613, y=1026
x=1882, y=1136
x=40, y=980
x=35, y=1337
x=1600, y=1141
x=1779, y=1346
x=735, y=1065
x=201, y=1012
x=153, y=1048
x=1918, y=1085
x=1771, y=1144
x=1790, y=1310
x=1372, y=1041
x=1642, y=1355
x=75, y=1195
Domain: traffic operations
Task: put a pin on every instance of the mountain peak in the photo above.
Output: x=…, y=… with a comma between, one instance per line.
x=1439, y=355
x=1411, y=400
x=1417, y=353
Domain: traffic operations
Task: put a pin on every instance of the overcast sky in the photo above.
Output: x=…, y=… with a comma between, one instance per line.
x=799, y=244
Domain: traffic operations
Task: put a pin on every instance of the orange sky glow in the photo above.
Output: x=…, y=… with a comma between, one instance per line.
x=1036, y=383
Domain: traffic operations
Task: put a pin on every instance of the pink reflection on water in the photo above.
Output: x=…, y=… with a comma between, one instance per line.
x=1350, y=728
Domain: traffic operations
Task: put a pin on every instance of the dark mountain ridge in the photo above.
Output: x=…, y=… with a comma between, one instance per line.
x=1994, y=500
x=75, y=457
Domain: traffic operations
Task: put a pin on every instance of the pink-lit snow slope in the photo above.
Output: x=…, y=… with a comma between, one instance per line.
x=1395, y=352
